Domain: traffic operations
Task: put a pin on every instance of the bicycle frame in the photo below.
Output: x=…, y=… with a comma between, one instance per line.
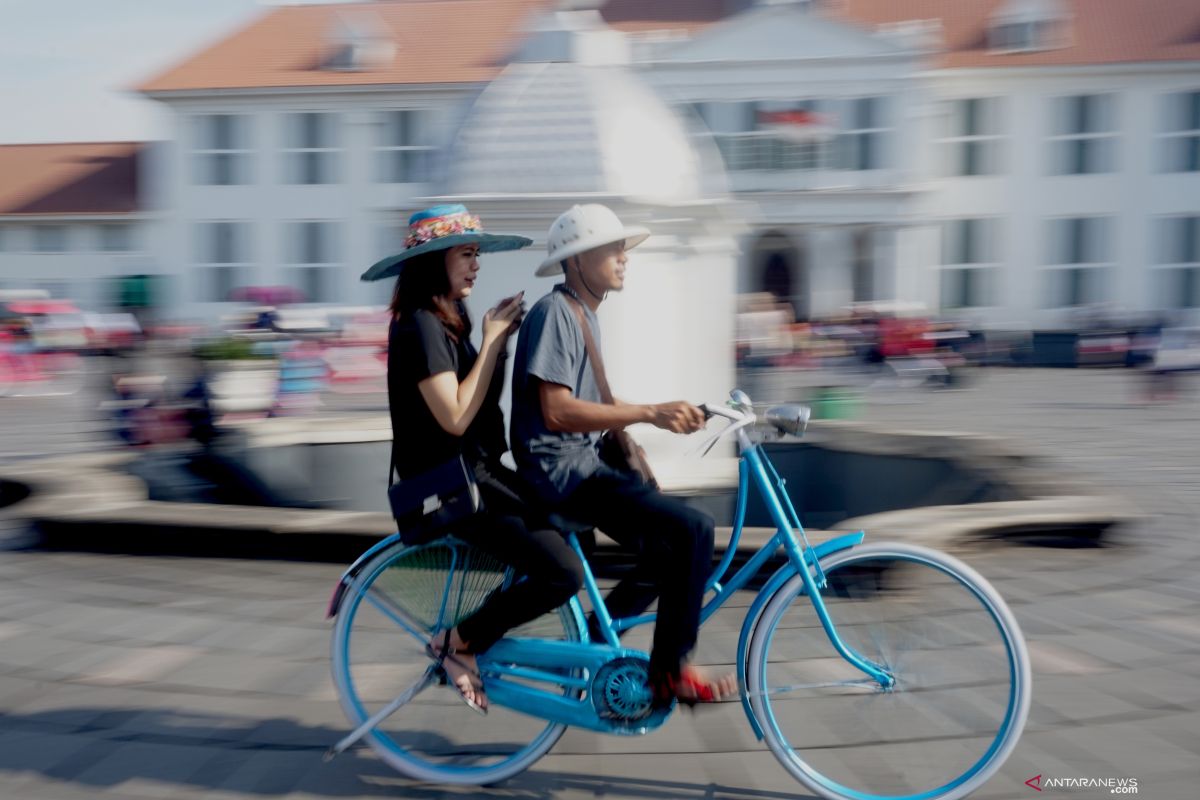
x=546, y=661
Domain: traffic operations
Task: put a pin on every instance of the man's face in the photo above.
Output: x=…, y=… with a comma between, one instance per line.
x=604, y=267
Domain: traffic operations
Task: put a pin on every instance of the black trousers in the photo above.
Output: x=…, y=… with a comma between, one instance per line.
x=674, y=547
x=510, y=530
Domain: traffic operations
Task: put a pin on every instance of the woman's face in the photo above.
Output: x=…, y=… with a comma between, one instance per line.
x=462, y=267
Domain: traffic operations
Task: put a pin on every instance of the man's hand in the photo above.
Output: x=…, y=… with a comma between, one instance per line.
x=678, y=417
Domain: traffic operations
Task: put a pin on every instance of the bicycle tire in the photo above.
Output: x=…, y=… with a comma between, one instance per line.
x=435, y=737
x=935, y=734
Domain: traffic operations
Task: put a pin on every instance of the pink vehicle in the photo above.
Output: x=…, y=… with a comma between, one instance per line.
x=28, y=372
x=357, y=359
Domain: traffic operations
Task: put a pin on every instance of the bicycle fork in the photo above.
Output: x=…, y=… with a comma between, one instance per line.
x=805, y=561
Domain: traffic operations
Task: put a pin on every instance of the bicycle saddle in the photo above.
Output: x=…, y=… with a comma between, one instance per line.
x=565, y=525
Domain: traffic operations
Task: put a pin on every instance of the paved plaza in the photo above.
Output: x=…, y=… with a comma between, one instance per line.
x=167, y=677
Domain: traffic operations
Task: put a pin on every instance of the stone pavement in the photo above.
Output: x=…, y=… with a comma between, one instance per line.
x=131, y=677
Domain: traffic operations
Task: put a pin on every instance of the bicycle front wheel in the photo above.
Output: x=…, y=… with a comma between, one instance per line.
x=961, y=669
x=385, y=621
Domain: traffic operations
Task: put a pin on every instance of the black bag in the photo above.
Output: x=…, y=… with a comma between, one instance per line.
x=619, y=451
x=426, y=505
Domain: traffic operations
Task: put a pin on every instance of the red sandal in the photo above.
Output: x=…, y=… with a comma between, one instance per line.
x=689, y=688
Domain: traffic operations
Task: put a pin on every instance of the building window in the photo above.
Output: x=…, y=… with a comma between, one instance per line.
x=1084, y=140
x=768, y=136
x=116, y=238
x=221, y=153
x=406, y=146
x=1080, y=261
x=50, y=238
x=970, y=262
x=311, y=247
x=223, y=258
x=972, y=141
x=1024, y=26
x=860, y=145
x=1181, y=138
x=1178, y=262
x=310, y=156
x=863, y=276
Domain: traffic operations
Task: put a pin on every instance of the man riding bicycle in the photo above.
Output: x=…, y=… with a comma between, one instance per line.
x=559, y=408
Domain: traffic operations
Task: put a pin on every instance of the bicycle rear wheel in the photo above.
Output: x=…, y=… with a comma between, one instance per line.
x=961, y=668
x=389, y=612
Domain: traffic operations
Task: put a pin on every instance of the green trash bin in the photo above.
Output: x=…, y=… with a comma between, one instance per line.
x=835, y=402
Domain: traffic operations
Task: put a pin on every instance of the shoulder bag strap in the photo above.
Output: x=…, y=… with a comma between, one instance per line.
x=593, y=352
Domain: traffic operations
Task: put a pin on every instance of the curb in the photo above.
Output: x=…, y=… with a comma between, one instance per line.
x=87, y=495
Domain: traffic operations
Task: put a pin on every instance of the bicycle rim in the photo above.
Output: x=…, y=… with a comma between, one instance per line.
x=961, y=667
x=386, y=619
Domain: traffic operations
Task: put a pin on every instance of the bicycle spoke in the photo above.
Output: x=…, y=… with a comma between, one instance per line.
x=396, y=614
x=865, y=683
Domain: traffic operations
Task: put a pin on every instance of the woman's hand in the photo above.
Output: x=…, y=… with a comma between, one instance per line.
x=505, y=318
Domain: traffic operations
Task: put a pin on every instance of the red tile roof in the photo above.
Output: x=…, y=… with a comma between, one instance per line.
x=77, y=178
x=642, y=15
x=453, y=41
x=1101, y=31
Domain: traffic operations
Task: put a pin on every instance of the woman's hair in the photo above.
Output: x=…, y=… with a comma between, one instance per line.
x=424, y=284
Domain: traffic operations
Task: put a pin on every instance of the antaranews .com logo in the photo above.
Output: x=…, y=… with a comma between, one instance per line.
x=1114, y=785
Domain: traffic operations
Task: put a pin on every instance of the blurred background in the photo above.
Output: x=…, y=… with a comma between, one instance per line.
x=875, y=190
x=881, y=186
x=972, y=216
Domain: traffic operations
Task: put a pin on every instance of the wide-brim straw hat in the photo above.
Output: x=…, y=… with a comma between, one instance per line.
x=440, y=228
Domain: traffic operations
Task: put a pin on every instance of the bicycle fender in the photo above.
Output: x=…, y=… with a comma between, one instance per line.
x=773, y=585
x=339, y=591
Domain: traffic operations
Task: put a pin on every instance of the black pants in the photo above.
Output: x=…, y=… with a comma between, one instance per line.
x=674, y=547
x=510, y=530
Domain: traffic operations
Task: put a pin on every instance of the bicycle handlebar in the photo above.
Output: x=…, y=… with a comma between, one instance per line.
x=738, y=419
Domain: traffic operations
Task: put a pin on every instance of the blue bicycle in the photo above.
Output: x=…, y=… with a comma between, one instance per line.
x=872, y=671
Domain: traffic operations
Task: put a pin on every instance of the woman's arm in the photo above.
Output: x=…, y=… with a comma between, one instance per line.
x=453, y=404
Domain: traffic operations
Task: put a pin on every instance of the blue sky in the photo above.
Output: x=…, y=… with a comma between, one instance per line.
x=66, y=65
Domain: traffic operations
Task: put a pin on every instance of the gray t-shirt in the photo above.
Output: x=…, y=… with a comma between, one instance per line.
x=550, y=347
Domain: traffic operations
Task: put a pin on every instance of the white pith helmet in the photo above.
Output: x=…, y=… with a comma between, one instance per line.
x=582, y=227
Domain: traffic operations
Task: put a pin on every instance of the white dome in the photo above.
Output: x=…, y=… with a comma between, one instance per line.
x=569, y=129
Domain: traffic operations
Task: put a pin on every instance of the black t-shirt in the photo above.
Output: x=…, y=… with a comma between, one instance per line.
x=420, y=347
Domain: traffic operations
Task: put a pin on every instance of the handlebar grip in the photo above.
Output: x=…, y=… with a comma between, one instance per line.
x=707, y=414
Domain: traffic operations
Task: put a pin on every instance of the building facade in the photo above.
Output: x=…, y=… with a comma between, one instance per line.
x=1012, y=162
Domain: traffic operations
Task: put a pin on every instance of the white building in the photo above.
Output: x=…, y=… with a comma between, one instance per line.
x=70, y=221
x=1005, y=160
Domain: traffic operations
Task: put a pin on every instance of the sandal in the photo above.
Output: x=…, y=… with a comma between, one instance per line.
x=445, y=656
x=688, y=688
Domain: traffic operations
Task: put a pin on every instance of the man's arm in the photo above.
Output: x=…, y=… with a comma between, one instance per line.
x=565, y=413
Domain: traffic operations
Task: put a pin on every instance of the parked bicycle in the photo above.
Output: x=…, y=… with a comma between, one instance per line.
x=872, y=671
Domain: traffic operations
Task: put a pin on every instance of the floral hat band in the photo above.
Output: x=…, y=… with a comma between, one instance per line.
x=427, y=229
x=440, y=228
